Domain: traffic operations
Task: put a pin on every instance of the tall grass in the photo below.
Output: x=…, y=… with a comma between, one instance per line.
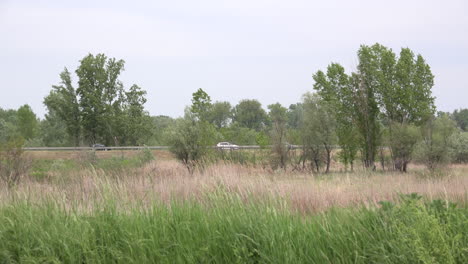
x=227, y=229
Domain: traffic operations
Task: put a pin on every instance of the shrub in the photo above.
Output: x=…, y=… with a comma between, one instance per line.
x=459, y=146
x=434, y=149
x=13, y=162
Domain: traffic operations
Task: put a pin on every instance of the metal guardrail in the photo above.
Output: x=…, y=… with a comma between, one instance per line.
x=130, y=148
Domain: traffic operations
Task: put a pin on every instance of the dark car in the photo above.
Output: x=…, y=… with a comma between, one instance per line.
x=100, y=147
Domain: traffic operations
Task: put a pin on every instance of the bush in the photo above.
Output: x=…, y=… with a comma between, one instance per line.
x=191, y=141
x=434, y=150
x=459, y=146
x=13, y=162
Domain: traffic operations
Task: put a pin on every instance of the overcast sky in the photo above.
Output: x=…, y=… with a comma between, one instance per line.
x=266, y=50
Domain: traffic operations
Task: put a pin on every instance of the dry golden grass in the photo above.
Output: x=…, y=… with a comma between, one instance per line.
x=164, y=180
x=161, y=154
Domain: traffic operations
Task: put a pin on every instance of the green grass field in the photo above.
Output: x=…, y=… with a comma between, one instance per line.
x=145, y=210
x=227, y=229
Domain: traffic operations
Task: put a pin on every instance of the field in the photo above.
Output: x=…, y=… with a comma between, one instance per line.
x=123, y=207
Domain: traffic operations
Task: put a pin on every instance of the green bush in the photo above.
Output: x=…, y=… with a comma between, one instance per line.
x=459, y=145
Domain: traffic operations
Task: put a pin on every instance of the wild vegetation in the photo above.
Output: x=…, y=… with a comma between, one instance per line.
x=329, y=183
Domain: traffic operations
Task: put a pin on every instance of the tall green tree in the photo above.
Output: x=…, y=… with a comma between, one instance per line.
x=220, y=114
x=320, y=127
x=53, y=131
x=136, y=120
x=100, y=109
x=250, y=114
x=27, y=122
x=461, y=117
x=335, y=88
x=101, y=96
x=384, y=88
x=62, y=101
x=201, y=105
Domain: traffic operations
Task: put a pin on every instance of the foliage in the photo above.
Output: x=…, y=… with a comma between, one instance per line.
x=62, y=101
x=13, y=162
x=461, y=117
x=434, y=149
x=319, y=129
x=402, y=143
x=160, y=124
x=201, y=105
x=239, y=135
x=280, y=147
x=99, y=109
x=250, y=114
x=220, y=114
x=459, y=147
x=27, y=122
x=53, y=131
x=191, y=141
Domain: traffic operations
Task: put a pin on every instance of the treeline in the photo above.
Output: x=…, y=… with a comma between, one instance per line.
x=384, y=108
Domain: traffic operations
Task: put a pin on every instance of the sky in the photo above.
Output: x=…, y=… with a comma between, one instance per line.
x=234, y=50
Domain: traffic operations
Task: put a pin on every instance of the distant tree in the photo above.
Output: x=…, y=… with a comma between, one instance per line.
x=461, y=117
x=27, y=122
x=250, y=114
x=397, y=91
x=101, y=97
x=160, y=125
x=53, y=131
x=201, y=105
x=279, y=119
x=8, y=127
x=435, y=148
x=320, y=127
x=404, y=89
x=239, y=135
x=220, y=114
x=62, y=102
x=459, y=146
x=100, y=109
x=295, y=115
x=335, y=88
x=136, y=120
x=190, y=139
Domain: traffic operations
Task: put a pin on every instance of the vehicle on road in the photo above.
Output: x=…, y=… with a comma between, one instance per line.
x=100, y=147
x=226, y=146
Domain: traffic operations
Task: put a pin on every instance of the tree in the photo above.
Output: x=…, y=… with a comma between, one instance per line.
x=62, y=101
x=8, y=128
x=335, y=88
x=405, y=98
x=320, y=128
x=434, y=149
x=201, y=105
x=101, y=96
x=295, y=115
x=461, y=117
x=278, y=116
x=189, y=142
x=27, y=122
x=136, y=120
x=159, y=125
x=220, y=114
x=100, y=109
x=53, y=131
x=250, y=114
x=397, y=91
